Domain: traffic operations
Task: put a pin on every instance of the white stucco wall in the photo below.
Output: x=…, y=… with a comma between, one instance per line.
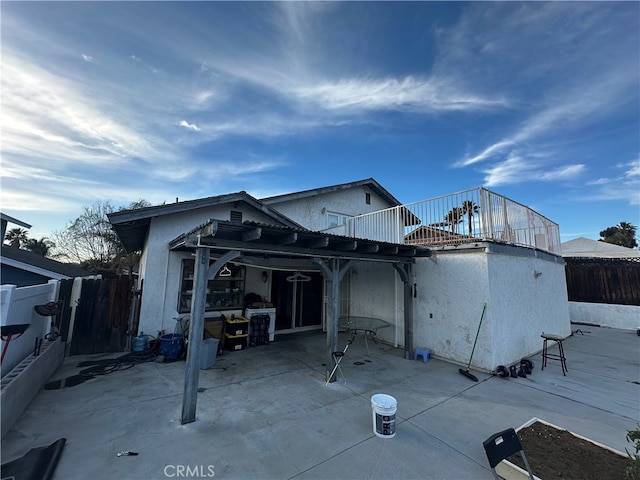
x=311, y=212
x=452, y=287
x=376, y=291
x=625, y=317
x=161, y=270
x=528, y=296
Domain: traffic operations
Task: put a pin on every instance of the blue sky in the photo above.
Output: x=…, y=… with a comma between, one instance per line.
x=120, y=101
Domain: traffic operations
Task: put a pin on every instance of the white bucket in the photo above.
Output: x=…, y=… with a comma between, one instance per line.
x=384, y=415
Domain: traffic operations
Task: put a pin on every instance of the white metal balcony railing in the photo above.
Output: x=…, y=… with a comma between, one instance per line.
x=468, y=216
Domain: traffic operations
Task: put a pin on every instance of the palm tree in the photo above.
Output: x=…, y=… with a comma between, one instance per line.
x=469, y=208
x=41, y=247
x=453, y=218
x=16, y=237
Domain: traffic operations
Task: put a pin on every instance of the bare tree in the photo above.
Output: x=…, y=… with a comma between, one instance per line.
x=87, y=240
x=90, y=241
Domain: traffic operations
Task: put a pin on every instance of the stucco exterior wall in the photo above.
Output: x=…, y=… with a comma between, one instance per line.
x=625, y=317
x=376, y=291
x=161, y=269
x=529, y=297
x=311, y=212
x=452, y=287
x=450, y=291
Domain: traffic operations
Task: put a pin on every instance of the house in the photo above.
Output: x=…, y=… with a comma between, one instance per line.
x=349, y=242
x=587, y=248
x=22, y=268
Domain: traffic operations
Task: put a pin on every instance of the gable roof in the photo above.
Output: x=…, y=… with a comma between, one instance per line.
x=132, y=226
x=369, y=182
x=585, y=247
x=35, y=263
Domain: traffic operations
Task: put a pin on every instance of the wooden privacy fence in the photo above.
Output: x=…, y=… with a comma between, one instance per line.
x=603, y=280
x=102, y=316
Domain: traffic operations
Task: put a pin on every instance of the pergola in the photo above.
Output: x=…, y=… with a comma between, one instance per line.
x=265, y=245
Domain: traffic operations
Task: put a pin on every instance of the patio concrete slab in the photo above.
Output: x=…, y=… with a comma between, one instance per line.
x=266, y=413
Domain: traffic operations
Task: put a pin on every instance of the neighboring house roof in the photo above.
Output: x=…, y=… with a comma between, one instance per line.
x=5, y=219
x=40, y=265
x=132, y=226
x=429, y=235
x=585, y=247
x=369, y=182
x=10, y=219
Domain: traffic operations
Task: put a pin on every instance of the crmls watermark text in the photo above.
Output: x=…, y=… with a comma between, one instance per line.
x=188, y=471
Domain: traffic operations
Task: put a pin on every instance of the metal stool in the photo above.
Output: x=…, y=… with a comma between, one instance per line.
x=337, y=358
x=553, y=356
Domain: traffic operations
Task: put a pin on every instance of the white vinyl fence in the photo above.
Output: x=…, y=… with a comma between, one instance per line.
x=17, y=307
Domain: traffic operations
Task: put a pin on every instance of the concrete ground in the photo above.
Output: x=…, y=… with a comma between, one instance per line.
x=266, y=413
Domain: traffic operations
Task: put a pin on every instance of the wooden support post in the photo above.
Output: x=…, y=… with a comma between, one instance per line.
x=404, y=270
x=202, y=273
x=334, y=275
x=196, y=324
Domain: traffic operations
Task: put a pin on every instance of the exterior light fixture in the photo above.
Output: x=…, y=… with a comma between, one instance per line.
x=265, y=276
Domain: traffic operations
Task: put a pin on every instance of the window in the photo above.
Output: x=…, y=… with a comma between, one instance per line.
x=336, y=219
x=367, y=198
x=225, y=291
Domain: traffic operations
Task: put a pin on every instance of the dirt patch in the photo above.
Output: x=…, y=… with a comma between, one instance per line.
x=555, y=453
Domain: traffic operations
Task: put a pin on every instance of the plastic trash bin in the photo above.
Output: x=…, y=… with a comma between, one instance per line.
x=208, y=353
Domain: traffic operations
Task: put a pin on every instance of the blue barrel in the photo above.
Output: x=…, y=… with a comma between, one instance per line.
x=172, y=346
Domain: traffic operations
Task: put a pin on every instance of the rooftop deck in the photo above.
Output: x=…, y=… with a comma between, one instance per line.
x=266, y=413
x=468, y=216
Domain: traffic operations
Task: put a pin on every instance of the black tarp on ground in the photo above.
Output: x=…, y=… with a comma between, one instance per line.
x=37, y=464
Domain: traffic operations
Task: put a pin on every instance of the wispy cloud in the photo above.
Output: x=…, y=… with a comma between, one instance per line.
x=44, y=115
x=190, y=126
x=518, y=170
x=87, y=58
x=624, y=186
x=583, y=88
x=405, y=94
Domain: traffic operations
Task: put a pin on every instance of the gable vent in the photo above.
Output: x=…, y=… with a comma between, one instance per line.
x=235, y=216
